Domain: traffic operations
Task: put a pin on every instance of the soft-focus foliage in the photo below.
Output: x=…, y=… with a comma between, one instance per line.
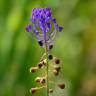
x=76, y=46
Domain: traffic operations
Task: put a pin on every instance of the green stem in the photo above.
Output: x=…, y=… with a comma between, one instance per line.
x=41, y=87
x=47, y=68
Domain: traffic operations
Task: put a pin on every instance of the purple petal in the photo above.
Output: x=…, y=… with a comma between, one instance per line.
x=28, y=28
x=54, y=20
x=60, y=29
x=49, y=25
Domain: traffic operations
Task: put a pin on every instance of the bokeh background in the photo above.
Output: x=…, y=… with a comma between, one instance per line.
x=76, y=47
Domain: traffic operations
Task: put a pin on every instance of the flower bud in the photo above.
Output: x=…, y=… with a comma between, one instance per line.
x=57, y=61
x=42, y=81
x=38, y=79
x=57, y=68
x=55, y=72
x=50, y=90
x=33, y=90
x=62, y=85
x=50, y=57
x=50, y=47
x=40, y=43
x=41, y=63
x=33, y=69
x=44, y=62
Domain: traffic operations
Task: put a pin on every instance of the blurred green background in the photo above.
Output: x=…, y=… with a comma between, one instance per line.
x=76, y=47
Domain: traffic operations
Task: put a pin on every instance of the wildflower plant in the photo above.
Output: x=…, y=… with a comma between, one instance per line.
x=45, y=29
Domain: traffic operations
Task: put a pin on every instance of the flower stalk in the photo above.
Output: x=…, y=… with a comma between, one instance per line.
x=47, y=68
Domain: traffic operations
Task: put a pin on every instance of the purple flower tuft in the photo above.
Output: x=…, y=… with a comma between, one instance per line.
x=44, y=26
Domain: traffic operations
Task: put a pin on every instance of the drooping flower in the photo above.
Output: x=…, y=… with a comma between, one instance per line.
x=44, y=26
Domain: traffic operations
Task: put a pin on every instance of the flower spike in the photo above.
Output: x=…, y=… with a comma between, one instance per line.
x=43, y=26
x=46, y=30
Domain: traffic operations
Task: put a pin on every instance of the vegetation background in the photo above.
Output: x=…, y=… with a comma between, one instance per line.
x=76, y=47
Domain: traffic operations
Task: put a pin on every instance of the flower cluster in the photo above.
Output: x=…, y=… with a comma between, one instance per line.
x=46, y=30
x=54, y=64
x=43, y=26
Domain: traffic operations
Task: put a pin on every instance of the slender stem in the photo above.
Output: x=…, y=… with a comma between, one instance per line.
x=47, y=66
x=41, y=87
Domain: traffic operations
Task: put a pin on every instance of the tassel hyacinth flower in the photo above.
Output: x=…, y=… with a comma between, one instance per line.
x=45, y=29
